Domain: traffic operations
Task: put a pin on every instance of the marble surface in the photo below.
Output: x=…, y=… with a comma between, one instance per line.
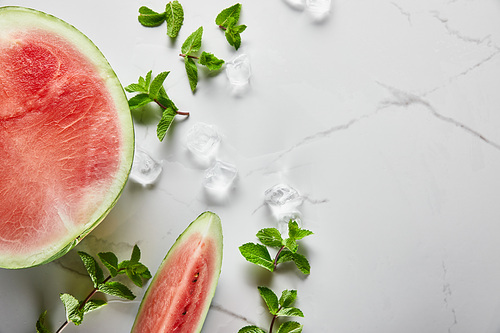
x=384, y=116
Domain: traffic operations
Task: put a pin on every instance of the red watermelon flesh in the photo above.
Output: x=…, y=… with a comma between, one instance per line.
x=178, y=298
x=65, y=153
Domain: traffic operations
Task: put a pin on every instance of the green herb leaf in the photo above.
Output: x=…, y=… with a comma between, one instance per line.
x=299, y=260
x=116, y=289
x=156, y=84
x=232, y=12
x=150, y=18
x=287, y=297
x=284, y=256
x=257, y=254
x=138, y=101
x=137, y=87
x=295, y=232
x=251, y=329
x=289, y=312
x=92, y=267
x=109, y=260
x=136, y=252
x=93, y=304
x=73, y=313
x=270, y=298
x=166, y=120
x=301, y=263
x=210, y=61
x=291, y=244
x=193, y=43
x=165, y=101
x=270, y=237
x=175, y=17
x=290, y=327
x=136, y=272
x=40, y=324
x=233, y=38
x=192, y=73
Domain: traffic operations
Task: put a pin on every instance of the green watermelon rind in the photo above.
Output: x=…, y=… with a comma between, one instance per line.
x=16, y=17
x=209, y=224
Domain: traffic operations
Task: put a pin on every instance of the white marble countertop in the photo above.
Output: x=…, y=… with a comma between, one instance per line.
x=384, y=116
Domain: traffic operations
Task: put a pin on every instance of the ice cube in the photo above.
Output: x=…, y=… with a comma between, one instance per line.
x=220, y=177
x=203, y=142
x=145, y=170
x=284, y=202
x=318, y=9
x=238, y=70
x=296, y=4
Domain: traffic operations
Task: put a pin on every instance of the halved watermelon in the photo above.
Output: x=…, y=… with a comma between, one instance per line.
x=66, y=137
x=179, y=296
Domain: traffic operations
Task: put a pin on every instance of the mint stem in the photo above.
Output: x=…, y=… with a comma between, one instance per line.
x=188, y=56
x=89, y=296
x=222, y=27
x=275, y=262
x=182, y=113
x=272, y=322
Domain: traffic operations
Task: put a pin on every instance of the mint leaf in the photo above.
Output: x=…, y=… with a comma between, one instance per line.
x=40, y=324
x=109, y=260
x=166, y=120
x=257, y=254
x=210, y=61
x=116, y=289
x=156, y=84
x=192, y=73
x=284, y=256
x=232, y=12
x=289, y=312
x=251, y=329
x=270, y=237
x=147, y=81
x=295, y=232
x=136, y=87
x=71, y=304
x=136, y=272
x=92, y=305
x=299, y=260
x=138, y=101
x=92, y=267
x=301, y=263
x=287, y=297
x=136, y=252
x=291, y=244
x=193, y=43
x=150, y=18
x=233, y=38
x=290, y=327
x=175, y=17
x=270, y=298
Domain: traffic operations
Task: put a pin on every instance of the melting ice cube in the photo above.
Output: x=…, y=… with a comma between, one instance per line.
x=238, y=70
x=284, y=202
x=203, y=141
x=296, y=4
x=220, y=177
x=318, y=9
x=145, y=170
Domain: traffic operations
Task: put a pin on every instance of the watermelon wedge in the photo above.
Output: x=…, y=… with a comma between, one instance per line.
x=179, y=296
x=66, y=137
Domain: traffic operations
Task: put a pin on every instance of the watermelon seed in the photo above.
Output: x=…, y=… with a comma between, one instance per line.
x=196, y=277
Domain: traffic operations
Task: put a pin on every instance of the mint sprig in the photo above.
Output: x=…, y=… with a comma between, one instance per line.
x=75, y=309
x=278, y=308
x=227, y=20
x=189, y=51
x=148, y=90
x=287, y=248
x=173, y=15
